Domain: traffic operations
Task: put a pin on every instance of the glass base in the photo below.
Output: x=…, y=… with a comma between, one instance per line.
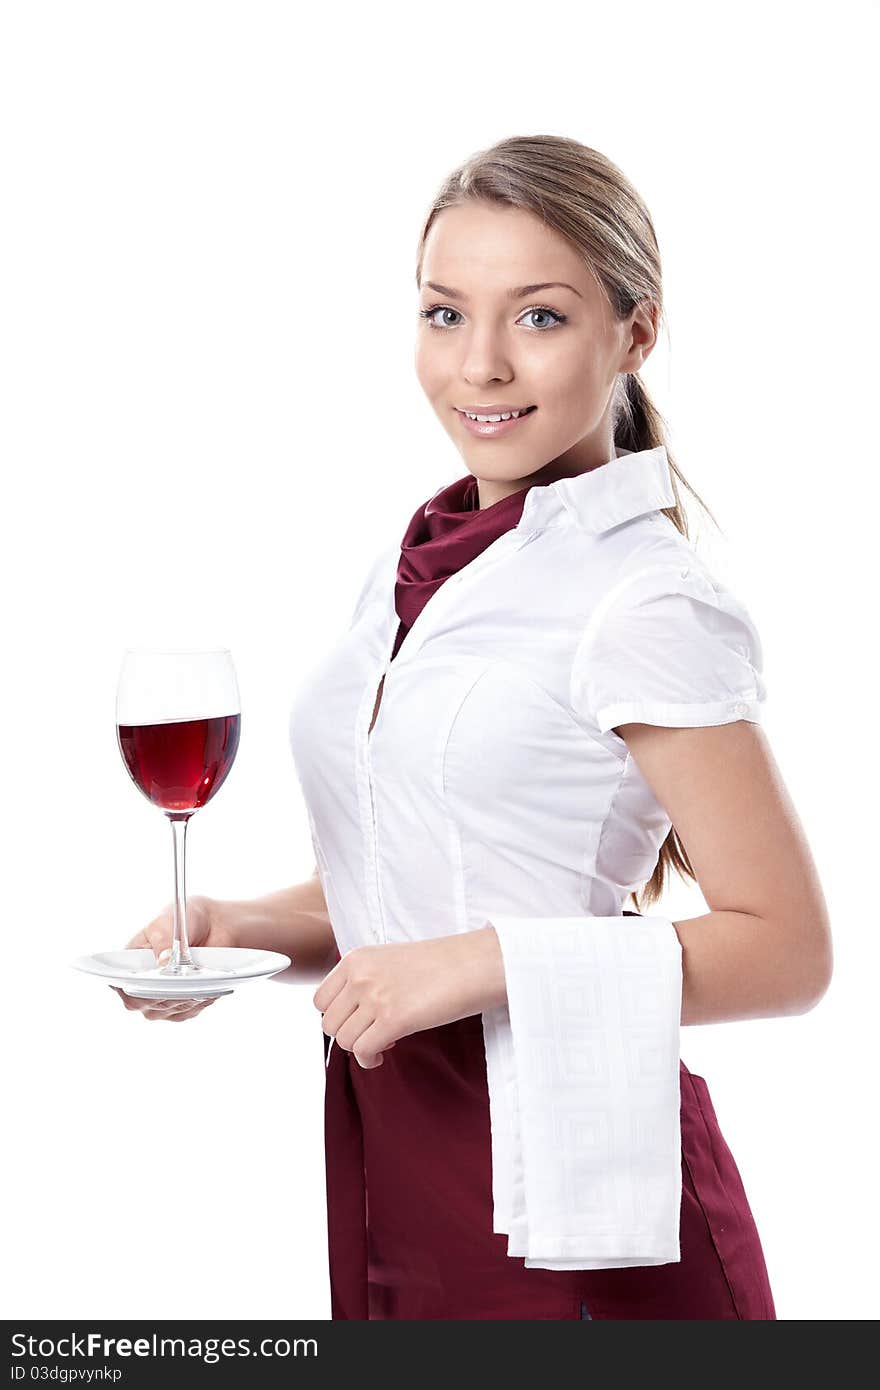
x=182, y=971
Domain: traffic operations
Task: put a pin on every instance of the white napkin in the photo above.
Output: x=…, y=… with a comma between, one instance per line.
x=584, y=1091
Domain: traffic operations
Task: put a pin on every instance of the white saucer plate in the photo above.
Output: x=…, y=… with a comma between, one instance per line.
x=225, y=969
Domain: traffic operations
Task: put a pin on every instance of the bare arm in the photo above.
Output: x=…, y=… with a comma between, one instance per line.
x=294, y=921
x=765, y=947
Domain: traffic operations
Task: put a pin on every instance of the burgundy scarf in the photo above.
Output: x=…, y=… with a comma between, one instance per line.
x=445, y=533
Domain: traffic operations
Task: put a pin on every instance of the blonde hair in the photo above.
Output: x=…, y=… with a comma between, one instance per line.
x=580, y=194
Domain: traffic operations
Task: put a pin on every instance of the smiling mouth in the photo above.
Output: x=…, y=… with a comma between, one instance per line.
x=494, y=417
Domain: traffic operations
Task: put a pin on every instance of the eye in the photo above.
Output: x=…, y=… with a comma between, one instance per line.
x=428, y=316
x=559, y=318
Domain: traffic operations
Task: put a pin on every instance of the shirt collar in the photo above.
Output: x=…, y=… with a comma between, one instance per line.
x=625, y=487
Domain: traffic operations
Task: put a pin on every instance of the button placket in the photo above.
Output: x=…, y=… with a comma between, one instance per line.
x=502, y=548
x=367, y=804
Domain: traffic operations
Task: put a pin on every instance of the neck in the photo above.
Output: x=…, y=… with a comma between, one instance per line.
x=492, y=490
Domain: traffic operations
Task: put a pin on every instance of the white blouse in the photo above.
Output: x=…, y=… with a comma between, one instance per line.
x=493, y=782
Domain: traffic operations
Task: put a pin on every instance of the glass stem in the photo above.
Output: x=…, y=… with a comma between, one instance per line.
x=180, y=956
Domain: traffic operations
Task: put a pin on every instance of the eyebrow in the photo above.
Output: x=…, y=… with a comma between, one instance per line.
x=519, y=292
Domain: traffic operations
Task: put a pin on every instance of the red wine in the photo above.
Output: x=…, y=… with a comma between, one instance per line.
x=180, y=765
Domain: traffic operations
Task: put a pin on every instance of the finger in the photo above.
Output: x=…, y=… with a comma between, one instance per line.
x=361, y=1036
x=340, y=1012
x=331, y=986
x=370, y=1045
x=158, y=936
x=185, y=1008
x=192, y=1007
x=128, y=1000
x=371, y=1064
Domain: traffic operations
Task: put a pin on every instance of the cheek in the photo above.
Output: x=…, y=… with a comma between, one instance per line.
x=428, y=364
x=574, y=383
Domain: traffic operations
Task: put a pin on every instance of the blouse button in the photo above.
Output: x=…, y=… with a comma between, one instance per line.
x=742, y=709
x=685, y=573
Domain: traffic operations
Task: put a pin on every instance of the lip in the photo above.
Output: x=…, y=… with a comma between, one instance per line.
x=492, y=429
x=492, y=409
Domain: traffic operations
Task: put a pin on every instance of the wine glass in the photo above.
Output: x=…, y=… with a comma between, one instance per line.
x=178, y=721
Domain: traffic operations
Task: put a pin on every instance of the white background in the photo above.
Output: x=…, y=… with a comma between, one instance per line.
x=211, y=424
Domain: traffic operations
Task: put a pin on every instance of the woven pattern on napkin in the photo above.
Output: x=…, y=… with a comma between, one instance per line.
x=583, y=1071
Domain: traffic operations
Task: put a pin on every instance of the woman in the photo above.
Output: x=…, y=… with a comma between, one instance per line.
x=575, y=714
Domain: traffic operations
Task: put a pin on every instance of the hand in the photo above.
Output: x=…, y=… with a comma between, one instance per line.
x=203, y=929
x=377, y=994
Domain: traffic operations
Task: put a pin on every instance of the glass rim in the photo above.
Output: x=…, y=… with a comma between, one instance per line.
x=176, y=651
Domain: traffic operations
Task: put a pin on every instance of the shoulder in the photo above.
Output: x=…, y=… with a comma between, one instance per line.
x=662, y=564
x=669, y=643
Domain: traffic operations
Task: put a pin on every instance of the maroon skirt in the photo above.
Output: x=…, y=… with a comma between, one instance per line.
x=409, y=1203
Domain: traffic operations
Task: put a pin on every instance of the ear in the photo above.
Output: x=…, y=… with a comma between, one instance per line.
x=642, y=328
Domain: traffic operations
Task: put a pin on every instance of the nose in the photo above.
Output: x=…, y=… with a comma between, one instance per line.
x=486, y=358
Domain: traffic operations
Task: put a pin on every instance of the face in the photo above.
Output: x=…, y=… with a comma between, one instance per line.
x=557, y=350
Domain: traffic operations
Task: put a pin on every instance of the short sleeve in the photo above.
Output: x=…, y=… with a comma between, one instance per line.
x=669, y=646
